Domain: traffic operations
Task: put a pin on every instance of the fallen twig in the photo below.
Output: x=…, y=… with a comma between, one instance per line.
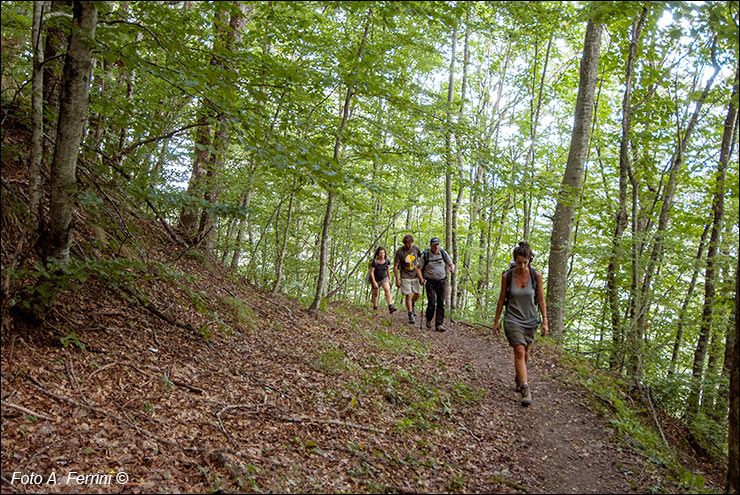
x=471, y=324
x=221, y=424
x=327, y=422
x=73, y=380
x=153, y=309
x=178, y=383
x=399, y=489
x=281, y=306
x=27, y=411
x=11, y=485
x=98, y=410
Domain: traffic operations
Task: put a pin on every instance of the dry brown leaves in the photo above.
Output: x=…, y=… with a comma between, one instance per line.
x=280, y=400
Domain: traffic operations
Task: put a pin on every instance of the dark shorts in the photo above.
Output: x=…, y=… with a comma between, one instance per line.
x=517, y=335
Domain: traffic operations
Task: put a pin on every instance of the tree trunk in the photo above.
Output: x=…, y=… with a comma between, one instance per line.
x=321, y=283
x=687, y=300
x=718, y=207
x=281, y=254
x=641, y=307
x=535, y=118
x=448, y=154
x=568, y=194
x=57, y=39
x=454, y=280
x=73, y=105
x=204, y=160
x=729, y=348
x=222, y=134
x=37, y=118
x=230, y=231
x=733, y=436
x=189, y=213
x=621, y=217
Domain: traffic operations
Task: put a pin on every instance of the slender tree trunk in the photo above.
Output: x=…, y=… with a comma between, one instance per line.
x=642, y=306
x=244, y=200
x=189, y=213
x=710, y=383
x=69, y=131
x=222, y=135
x=529, y=167
x=448, y=153
x=281, y=254
x=454, y=295
x=321, y=283
x=37, y=118
x=568, y=195
x=733, y=420
x=233, y=224
x=57, y=40
x=709, y=291
x=729, y=348
x=687, y=300
x=621, y=217
x=161, y=160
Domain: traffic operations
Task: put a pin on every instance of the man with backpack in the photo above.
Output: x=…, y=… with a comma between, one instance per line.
x=434, y=275
x=406, y=261
x=522, y=294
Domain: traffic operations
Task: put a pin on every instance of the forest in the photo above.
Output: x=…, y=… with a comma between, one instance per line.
x=288, y=140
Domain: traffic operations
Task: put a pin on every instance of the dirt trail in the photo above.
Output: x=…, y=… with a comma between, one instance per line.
x=556, y=445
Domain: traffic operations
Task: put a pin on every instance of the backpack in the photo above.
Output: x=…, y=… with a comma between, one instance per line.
x=510, y=279
x=367, y=274
x=425, y=255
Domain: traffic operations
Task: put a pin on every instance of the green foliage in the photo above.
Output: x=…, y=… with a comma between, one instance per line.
x=693, y=483
x=244, y=316
x=397, y=344
x=334, y=360
x=72, y=339
x=166, y=382
x=462, y=393
x=44, y=283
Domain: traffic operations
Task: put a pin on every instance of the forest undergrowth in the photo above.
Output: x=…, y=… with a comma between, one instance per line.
x=144, y=357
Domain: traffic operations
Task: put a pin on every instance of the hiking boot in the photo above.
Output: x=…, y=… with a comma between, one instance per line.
x=441, y=328
x=411, y=318
x=391, y=309
x=375, y=308
x=429, y=323
x=517, y=387
x=526, y=394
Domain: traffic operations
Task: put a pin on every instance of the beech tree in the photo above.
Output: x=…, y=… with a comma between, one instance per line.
x=72, y=111
x=570, y=187
x=290, y=147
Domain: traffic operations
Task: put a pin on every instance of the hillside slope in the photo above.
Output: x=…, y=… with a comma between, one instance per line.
x=168, y=368
x=144, y=362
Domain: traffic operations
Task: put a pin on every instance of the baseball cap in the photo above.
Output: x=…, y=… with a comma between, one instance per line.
x=435, y=240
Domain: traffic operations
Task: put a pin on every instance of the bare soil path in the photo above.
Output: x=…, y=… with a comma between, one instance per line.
x=557, y=444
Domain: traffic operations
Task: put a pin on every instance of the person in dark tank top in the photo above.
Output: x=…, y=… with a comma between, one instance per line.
x=522, y=294
x=379, y=268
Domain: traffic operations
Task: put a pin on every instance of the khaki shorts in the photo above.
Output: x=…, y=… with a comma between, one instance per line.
x=409, y=285
x=517, y=335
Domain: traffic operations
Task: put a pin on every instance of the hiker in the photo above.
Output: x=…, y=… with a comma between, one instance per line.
x=406, y=261
x=521, y=293
x=379, y=267
x=434, y=277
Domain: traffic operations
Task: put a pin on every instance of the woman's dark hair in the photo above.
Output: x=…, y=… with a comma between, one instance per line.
x=523, y=249
x=377, y=251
